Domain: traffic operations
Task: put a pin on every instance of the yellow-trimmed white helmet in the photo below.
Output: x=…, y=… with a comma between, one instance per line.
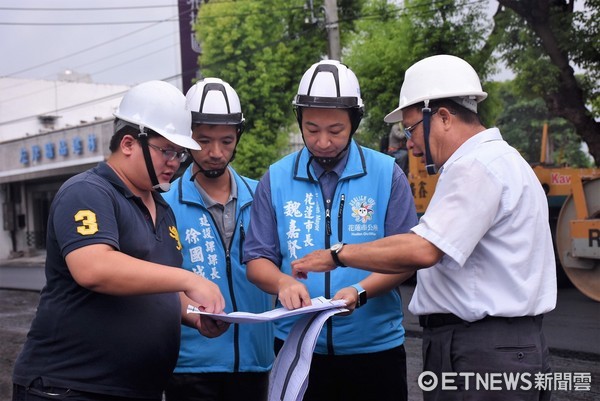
x=439, y=77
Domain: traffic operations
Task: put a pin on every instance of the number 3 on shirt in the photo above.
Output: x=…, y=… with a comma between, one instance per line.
x=89, y=225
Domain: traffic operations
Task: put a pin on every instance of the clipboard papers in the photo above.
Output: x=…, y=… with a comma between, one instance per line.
x=288, y=378
x=318, y=304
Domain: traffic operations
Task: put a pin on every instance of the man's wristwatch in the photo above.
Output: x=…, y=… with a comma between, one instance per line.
x=335, y=249
x=362, y=295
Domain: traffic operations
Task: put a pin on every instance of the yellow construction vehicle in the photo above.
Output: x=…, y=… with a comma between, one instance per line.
x=574, y=206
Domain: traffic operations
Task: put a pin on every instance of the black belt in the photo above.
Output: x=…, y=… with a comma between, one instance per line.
x=439, y=319
x=445, y=319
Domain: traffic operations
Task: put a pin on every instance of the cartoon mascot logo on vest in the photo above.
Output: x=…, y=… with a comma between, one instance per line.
x=362, y=208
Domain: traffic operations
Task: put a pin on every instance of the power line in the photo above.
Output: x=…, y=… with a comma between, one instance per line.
x=126, y=35
x=27, y=9
x=233, y=58
x=236, y=15
x=74, y=106
x=79, y=23
x=112, y=55
x=90, y=48
x=286, y=38
x=81, y=9
x=37, y=92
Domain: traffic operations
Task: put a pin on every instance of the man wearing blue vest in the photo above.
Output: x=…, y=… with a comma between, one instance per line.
x=331, y=193
x=483, y=248
x=212, y=202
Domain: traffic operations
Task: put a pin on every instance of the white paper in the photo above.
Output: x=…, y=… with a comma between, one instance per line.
x=318, y=304
x=288, y=379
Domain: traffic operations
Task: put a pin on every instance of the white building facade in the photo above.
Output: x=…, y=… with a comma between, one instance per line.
x=49, y=131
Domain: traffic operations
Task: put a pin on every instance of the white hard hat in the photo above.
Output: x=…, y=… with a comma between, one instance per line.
x=160, y=107
x=439, y=77
x=329, y=84
x=213, y=101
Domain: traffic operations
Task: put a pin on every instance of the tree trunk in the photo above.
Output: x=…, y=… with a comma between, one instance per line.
x=568, y=100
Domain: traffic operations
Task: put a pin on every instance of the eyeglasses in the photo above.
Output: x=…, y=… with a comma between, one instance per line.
x=408, y=131
x=170, y=154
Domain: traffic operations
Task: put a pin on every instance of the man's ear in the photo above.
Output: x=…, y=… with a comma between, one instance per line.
x=445, y=115
x=127, y=144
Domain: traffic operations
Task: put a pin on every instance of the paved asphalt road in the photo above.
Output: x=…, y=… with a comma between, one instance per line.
x=573, y=327
x=572, y=330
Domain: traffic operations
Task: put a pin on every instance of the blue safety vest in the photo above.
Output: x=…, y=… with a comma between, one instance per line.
x=244, y=347
x=356, y=214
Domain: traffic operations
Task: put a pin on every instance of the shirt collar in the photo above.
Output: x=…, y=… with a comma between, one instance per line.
x=105, y=171
x=490, y=134
x=338, y=168
x=210, y=202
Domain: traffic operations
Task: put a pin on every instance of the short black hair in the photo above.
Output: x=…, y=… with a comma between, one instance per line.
x=462, y=112
x=123, y=128
x=466, y=115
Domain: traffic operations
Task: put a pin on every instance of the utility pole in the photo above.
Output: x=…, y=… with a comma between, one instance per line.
x=332, y=28
x=189, y=47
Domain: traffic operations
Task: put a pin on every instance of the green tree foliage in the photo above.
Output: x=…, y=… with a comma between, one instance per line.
x=262, y=48
x=521, y=123
x=541, y=41
x=390, y=38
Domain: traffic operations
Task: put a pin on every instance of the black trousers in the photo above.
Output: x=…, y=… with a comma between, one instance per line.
x=489, y=348
x=247, y=386
x=378, y=376
x=36, y=391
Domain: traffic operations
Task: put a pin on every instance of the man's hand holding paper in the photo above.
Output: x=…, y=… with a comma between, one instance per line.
x=317, y=304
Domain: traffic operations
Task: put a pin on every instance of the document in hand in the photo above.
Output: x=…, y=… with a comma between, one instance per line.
x=288, y=379
x=318, y=304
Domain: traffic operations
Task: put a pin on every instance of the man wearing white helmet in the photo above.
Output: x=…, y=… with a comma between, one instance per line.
x=108, y=323
x=212, y=202
x=483, y=246
x=331, y=193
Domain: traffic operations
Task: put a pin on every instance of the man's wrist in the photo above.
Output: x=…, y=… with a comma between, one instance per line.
x=335, y=253
x=362, y=295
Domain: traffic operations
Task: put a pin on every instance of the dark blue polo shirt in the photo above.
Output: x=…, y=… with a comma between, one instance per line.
x=80, y=339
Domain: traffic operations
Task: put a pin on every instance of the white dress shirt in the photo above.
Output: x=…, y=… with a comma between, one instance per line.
x=489, y=215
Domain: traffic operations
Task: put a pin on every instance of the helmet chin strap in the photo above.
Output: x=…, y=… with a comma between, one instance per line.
x=325, y=162
x=429, y=165
x=217, y=173
x=211, y=173
x=208, y=173
x=329, y=162
x=143, y=138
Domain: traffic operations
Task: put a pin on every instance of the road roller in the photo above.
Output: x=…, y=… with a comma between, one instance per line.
x=578, y=235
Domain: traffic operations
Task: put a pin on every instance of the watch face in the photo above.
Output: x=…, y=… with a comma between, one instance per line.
x=362, y=298
x=336, y=247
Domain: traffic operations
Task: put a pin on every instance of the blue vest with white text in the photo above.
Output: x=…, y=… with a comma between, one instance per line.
x=356, y=214
x=243, y=347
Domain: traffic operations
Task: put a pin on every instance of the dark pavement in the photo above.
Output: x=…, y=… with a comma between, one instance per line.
x=573, y=327
x=572, y=330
